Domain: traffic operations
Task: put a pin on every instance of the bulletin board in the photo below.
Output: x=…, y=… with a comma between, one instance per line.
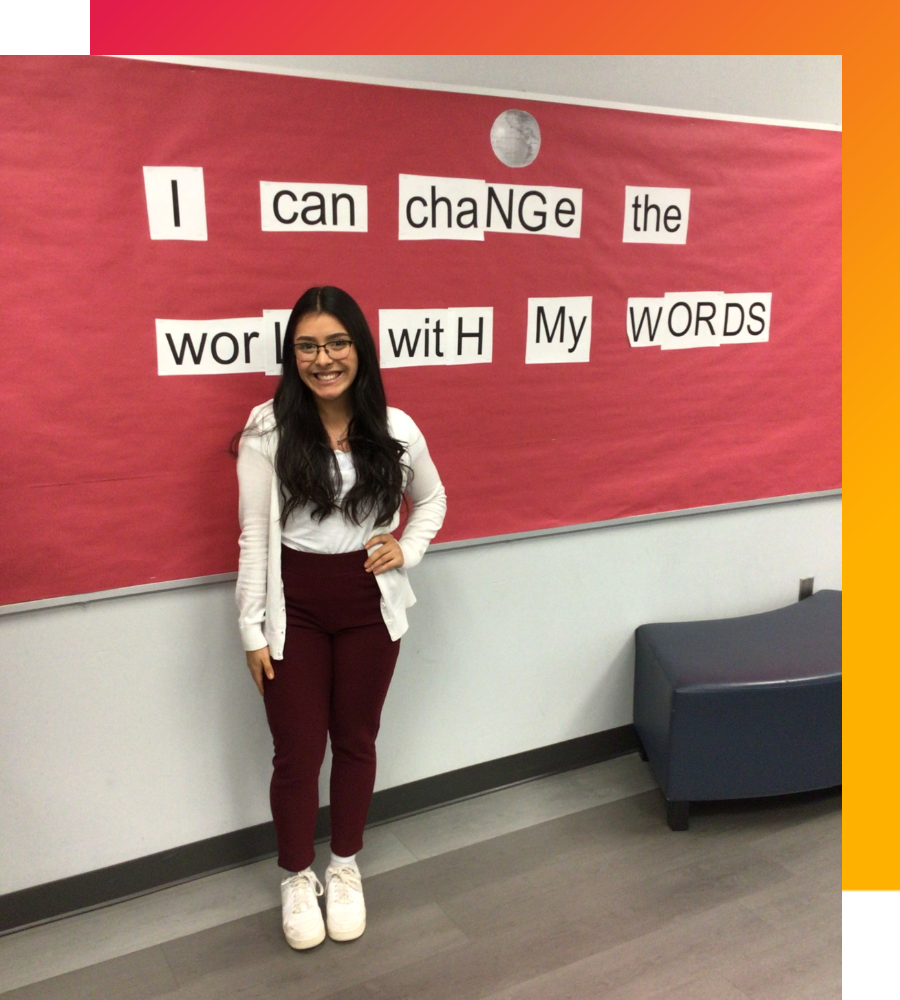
x=117, y=474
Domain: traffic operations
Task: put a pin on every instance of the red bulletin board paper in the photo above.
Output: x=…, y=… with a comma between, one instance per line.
x=114, y=476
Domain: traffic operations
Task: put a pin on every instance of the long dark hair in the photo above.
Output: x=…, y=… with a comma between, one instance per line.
x=305, y=463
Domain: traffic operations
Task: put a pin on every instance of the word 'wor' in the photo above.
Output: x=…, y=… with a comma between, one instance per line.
x=209, y=347
x=414, y=337
x=699, y=319
x=457, y=208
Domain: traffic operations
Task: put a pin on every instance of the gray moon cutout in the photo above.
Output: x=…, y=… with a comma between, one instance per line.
x=516, y=138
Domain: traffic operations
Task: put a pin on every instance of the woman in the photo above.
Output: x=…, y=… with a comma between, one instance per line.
x=322, y=592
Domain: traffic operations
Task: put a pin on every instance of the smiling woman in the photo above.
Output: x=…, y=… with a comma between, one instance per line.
x=327, y=363
x=322, y=592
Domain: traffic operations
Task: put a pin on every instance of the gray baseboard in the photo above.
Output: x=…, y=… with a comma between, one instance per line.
x=89, y=890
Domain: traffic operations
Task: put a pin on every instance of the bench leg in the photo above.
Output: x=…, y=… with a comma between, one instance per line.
x=677, y=814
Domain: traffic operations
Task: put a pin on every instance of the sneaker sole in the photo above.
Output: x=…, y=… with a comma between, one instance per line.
x=301, y=944
x=350, y=935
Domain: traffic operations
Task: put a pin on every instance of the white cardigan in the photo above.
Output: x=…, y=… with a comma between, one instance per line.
x=260, y=592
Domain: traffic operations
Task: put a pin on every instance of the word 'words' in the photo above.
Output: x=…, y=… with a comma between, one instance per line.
x=699, y=319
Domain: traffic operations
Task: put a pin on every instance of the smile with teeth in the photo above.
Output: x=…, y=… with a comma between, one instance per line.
x=327, y=376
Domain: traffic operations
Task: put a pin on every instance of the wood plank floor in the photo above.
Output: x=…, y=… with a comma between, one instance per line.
x=605, y=902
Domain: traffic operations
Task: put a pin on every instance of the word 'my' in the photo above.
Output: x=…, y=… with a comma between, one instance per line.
x=559, y=330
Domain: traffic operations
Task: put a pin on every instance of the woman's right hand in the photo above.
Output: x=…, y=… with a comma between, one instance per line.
x=259, y=662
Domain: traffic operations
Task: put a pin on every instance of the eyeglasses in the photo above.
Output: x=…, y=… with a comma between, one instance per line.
x=337, y=350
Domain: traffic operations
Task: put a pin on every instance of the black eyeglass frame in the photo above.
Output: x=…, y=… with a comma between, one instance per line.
x=304, y=349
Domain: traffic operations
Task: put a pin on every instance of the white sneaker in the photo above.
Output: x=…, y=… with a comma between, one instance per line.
x=300, y=913
x=345, y=907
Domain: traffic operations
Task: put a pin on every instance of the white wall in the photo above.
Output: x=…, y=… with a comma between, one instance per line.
x=800, y=88
x=130, y=726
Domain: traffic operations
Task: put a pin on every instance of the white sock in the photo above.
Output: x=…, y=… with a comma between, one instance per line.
x=337, y=860
x=292, y=874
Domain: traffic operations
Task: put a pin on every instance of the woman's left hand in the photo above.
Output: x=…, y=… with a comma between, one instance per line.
x=384, y=554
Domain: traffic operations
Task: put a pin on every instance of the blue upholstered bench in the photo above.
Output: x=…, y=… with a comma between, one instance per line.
x=741, y=707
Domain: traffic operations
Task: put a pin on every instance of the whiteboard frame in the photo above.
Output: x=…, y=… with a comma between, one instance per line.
x=463, y=543
x=455, y=88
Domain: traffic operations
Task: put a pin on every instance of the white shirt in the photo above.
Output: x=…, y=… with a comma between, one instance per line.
x=260, y=592
x=332, y=534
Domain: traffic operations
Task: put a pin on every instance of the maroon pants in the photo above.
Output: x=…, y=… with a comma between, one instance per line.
x=337, y=666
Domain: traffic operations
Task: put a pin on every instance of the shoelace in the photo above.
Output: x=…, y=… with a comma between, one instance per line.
x=305, y=886
x=344, y=879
